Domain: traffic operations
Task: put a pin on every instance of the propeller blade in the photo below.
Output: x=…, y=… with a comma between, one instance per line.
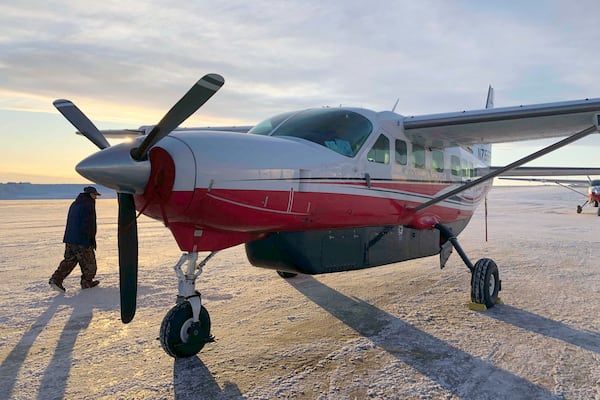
x=81, y=122
x=128, y=256
x=186, y=106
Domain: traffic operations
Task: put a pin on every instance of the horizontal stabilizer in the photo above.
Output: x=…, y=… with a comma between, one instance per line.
x=549, y=171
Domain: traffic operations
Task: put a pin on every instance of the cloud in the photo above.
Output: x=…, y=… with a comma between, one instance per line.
x=435, y=56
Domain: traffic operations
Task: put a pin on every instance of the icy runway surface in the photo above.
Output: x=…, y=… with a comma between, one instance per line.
x=401, y=331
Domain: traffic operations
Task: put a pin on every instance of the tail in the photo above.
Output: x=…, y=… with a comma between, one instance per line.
x=484, y=151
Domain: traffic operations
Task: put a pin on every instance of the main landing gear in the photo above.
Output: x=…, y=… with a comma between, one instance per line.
x=186, y=327
x=594, y=203
x=485, y=279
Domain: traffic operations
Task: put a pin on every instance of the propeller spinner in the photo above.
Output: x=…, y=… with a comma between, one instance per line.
x=106, y=167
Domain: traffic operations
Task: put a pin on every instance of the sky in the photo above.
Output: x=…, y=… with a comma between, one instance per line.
x=126, y=63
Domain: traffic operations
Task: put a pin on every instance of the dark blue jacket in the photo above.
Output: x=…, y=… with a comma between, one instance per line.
x=81, y=221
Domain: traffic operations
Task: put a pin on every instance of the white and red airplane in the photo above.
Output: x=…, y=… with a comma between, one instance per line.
x=313, y=191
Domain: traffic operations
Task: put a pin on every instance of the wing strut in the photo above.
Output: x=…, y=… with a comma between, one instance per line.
x=502, y=170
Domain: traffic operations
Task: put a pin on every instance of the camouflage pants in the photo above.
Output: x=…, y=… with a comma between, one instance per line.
x=74, y=254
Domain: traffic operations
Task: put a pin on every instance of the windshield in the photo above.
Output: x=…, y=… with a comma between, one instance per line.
x=340, y=130
x=595, y=182
x=267, y=126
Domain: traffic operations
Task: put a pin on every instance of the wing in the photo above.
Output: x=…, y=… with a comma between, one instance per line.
x=507, y=124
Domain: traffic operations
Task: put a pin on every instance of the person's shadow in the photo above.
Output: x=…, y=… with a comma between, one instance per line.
x=54, y=381
x=193, y=380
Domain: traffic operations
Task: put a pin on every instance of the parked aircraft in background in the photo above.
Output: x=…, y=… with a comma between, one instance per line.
x=312, y=191
x=593, y=188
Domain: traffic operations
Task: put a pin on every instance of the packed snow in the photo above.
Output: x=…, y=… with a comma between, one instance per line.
x=401, y=331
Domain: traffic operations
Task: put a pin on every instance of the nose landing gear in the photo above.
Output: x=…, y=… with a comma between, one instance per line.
x=186, y=327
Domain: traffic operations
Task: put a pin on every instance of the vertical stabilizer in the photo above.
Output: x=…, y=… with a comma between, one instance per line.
x=484, y=151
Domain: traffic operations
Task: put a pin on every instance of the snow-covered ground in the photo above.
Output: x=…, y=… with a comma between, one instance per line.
x=401, y=331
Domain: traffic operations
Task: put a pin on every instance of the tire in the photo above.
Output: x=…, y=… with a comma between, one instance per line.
x=176, y=327
x=485, y=283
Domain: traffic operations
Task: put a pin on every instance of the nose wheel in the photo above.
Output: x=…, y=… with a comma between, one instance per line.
x=180, y=336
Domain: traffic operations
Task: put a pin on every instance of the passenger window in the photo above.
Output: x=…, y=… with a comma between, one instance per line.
x=401, y=152
x=465, y=168
x=418, y=156
x=455, y=165
x=437, y=160
x=380, y=152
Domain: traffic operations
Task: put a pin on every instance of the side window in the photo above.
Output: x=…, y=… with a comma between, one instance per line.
x=401, y=152
x=465, y=168
x=418, y=156
x=380, y=152
x=437, y=160
x=455, y=165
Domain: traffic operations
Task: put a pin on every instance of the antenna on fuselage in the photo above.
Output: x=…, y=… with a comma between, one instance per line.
x=489, y=103
x=395, y=104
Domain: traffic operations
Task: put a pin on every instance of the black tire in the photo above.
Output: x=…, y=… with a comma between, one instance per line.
x=286, y=275
x=579, y=209
x=176, y=336
x=485, y=283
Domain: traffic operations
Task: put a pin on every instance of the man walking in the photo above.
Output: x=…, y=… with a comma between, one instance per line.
x=80, y=241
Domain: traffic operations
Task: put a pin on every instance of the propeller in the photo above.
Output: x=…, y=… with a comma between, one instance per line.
x=186, y=106
x=128, y=256
x=81, y=122
x=199, y=94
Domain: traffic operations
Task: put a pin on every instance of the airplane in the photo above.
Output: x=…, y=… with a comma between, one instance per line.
x=313, y=191
x=593, y=188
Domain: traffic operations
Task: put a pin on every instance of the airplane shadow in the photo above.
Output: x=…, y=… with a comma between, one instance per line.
x=54, y=381
x=193, y=380
x=456, y=371
x=545, y=326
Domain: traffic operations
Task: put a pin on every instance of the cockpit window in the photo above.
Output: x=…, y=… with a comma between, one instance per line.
x=595, y=182
x=340, y=130
x=267, y=126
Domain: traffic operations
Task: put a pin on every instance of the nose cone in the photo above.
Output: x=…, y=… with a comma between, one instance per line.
x=113, y=167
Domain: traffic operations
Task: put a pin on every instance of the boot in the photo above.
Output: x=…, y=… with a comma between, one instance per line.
x=89, y=284
x=56, y=285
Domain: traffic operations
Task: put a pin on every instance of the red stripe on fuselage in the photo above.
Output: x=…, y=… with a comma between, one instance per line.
x=259, y=211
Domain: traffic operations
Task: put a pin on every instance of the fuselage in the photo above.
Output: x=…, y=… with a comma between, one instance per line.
x=594, y=192
x=254, y=183
x=311, y=170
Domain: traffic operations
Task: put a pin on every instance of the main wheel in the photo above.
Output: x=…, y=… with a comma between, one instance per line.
x=180, y=336
x=485, y=282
